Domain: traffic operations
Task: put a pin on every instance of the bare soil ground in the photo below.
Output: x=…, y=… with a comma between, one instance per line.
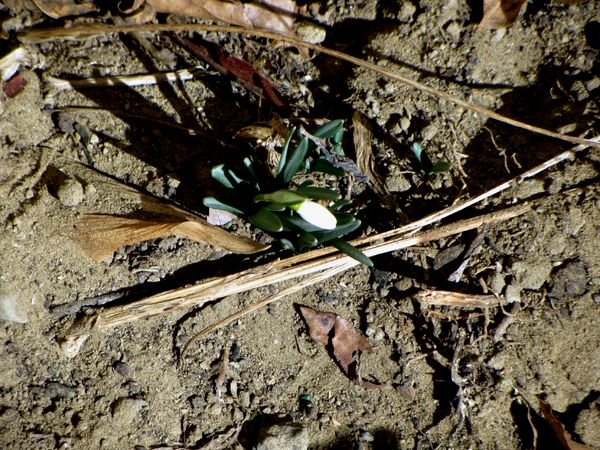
x=453, y=378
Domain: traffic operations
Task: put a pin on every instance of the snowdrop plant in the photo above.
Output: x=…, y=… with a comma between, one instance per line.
x=300, y=216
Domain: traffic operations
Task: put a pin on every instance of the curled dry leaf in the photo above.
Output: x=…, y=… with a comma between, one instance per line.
x=274, y=15
x=561, y=434
x=99, y=235
x=63, y=8
x=341, y=337
x=500, y=13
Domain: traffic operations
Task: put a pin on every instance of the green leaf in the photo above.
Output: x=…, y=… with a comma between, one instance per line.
x=284, y=152
x=318, y=193
x=295, y=161
x=352, y=252
x=338, y=150
x=226, y=176
x=287, y=244
x=440, y=167
x=266, y=220
x=307, y=240
x=250, y=167
x=340, y=204
x=282, y=196
x=211, y=202
x=322, y=165
x=275, y=207
x=329, y=130
x=339, y=231
x=424, y=160
x=299, y=224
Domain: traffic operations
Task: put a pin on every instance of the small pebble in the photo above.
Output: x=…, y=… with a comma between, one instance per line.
x=70, y=192
x=122, y=369
x=12, y=307
x=125, y=410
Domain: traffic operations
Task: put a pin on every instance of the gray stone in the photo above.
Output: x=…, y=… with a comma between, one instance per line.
x=288, y=436
x=13, y=307
x=125, y=410
x=512, y=294
x=70, y=192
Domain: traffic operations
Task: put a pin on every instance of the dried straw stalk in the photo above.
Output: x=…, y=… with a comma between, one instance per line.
x=82, y=31
x=264, y=275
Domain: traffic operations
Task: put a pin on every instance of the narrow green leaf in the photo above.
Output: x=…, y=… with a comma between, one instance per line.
x=226, y=176
x=284, y=152
x=250, y=167
x=307, y=240
x=423, y=158
x=282, y=196
x=211, y=202
x=339, y=231
x=337, y=138
x=299, y=224
x=275, y=207
x=287, y=244
x=418, y=151
x=329, y=130
x=338, y=150
x=340, y=204
x=440, y=167
x=322, y=165
x=296, y=160
x=266, y=220
x=352, y=252
x=319, y=193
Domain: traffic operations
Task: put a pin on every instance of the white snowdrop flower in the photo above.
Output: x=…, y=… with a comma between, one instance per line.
x=316, y=214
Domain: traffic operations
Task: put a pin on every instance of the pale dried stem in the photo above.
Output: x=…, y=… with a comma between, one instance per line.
x=457, y=299
x=309, y=281
x=83, y=31
x=125, y=80
x=277, y=272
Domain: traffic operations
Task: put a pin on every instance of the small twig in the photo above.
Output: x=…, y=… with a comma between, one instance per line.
x=126, y=80
x=223, y=372
x=313, y=279
x=457, y=299
x=77, y=32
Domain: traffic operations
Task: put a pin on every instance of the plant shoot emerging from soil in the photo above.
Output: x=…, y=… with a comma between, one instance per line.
x=301, y=216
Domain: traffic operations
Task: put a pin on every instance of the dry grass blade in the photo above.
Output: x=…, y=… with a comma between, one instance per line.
x=457, y=299
x=78, y=32
x=99, y=235
x=264, y=275
x=124, y=80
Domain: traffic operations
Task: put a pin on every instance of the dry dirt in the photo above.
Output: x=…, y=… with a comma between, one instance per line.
x=453, y=378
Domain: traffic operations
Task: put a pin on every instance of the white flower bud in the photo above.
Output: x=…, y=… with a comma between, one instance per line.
x=316, y=214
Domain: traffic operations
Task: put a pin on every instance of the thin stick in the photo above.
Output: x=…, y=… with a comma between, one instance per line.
x=125, y=80
x=32, y=36
x=269, y=274
x=457, y=299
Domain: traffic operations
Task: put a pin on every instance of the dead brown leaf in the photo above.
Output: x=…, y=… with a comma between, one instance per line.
x=274, y=15
x=500, y=13
x=561, y=434
x=63, y=8
x=346, y=343
x=99, y=235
